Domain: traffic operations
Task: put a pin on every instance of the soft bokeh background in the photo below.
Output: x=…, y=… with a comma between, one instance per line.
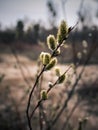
x=24, y=27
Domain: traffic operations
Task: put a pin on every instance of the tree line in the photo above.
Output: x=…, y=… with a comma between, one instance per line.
x=35, y=33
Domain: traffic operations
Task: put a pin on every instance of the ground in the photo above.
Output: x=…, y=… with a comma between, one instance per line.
x=17, y=78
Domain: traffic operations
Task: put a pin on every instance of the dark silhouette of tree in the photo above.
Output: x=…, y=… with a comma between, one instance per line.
x=7, y=36
x=19, y=30
x=32, y=34
x=35, y=35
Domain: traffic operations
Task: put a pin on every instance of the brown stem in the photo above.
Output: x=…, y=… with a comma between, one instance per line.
x=28, y=105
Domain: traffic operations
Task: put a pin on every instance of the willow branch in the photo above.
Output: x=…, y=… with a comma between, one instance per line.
x=49, y=89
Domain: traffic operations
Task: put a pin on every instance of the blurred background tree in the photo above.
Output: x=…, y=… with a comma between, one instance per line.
x=19, y=30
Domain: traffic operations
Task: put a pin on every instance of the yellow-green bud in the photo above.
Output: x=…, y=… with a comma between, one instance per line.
x=44, y=95
x=61, y=79
x=51, y=42
x=51, y=64
x=57, y=52
x=41, y=56
x=62, y=32
x=45, y=58
x=57, y=71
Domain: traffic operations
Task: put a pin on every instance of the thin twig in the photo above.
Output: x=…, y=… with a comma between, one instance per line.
x=40, y=106
x=28, y=105
x=19, y=65
x=69, y=116
x=49, y=89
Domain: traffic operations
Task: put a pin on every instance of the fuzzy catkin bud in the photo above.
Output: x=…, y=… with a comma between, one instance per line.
x=57, y=71
x=51, y=64
x=43, y=95
x=41, y=56
x=51, y=42
x=45, y=58
x=61, y=79
x=62, y=32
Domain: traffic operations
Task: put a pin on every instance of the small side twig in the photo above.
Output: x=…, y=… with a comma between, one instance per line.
x=49, y=89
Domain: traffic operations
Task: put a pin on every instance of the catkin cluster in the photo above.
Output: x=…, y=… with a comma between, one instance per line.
x=49, y=60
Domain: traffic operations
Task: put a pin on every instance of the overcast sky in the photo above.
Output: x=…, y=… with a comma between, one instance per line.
x=35, y=10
